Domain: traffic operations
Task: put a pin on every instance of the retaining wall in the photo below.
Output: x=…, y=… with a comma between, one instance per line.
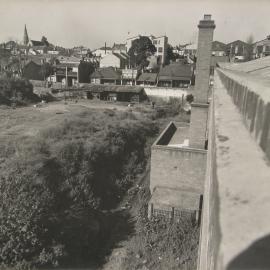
x=235, y=228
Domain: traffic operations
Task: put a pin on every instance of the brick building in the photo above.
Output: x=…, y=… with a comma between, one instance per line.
x=180, y=151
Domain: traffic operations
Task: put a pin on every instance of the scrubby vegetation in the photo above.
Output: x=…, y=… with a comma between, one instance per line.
x=54, y=187
x=160, y=244
x=15, y=90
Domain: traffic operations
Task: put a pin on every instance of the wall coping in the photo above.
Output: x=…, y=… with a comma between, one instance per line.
x=257, y=84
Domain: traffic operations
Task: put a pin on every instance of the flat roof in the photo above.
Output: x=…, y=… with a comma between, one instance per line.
x=181, y=199
x=179, y=137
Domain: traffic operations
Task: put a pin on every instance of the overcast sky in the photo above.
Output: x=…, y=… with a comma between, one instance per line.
x=93, y=22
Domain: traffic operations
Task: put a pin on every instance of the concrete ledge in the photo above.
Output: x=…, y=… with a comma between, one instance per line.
x=251, y=95
x=235, y=231
x=201, y=105
x=181, y=149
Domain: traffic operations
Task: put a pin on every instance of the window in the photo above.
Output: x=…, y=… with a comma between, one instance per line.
x=160, y=49
x=155, y=42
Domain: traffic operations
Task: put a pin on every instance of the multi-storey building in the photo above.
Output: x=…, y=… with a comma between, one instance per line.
x=161, y=44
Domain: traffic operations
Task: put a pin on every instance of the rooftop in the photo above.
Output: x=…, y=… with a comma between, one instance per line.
x=107, y=73
x=180, y=137
x=176, y=71
x=149, y=77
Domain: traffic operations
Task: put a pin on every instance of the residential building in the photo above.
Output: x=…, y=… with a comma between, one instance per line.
x=117, y=60
x=129, y=42
x=72, y=73
x=237, y=50
x=190, y=49
x=107, y=76
x=103, y=51
x=119, y=48
x=175, y=75
x=261, y=48
x=160, y=42
x=129, y=76
x=67, y=74
x=218, y=48
x=147, y=79
x=68, y=59
x=81, y=51
x=117, y=93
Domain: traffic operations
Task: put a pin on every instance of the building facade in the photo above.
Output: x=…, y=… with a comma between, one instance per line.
x=261, y=48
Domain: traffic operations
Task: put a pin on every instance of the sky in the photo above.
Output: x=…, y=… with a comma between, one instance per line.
x=93, y=22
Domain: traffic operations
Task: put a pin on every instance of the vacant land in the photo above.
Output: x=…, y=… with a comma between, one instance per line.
x=74, y=185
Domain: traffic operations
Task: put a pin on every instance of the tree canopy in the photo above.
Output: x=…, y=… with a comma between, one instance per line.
x=140, y=50
x=249, y=51
x=171, y=56
x=45, y=41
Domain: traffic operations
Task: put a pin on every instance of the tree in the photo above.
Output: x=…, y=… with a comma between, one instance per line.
x=249, y=50
x=45, y=41
x=141, y=49
x=46, y=70
x=85, y=70
x=171, y=56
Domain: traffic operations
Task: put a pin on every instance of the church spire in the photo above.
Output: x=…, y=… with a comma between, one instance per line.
x=25, y=36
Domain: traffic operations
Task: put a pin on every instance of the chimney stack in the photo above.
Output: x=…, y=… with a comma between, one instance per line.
x=199, y=110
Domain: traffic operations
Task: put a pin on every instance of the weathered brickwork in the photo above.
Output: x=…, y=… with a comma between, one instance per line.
x=203, y=62
x=199, y=109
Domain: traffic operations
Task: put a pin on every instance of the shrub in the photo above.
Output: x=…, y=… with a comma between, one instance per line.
x=16, y=90
x=54, y=187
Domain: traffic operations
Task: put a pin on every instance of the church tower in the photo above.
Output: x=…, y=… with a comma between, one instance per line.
x=25, y=36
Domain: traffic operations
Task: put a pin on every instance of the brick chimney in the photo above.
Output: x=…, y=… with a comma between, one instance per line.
x=199, y=108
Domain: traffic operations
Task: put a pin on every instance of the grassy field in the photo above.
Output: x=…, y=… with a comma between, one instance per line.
x=27, y=121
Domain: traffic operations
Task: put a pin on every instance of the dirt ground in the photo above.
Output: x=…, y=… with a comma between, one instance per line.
x=27, y=121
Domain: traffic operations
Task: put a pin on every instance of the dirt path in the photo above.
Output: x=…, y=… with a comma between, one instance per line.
x=117, y=258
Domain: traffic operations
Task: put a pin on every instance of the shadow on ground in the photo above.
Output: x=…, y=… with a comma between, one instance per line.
x=255, y=257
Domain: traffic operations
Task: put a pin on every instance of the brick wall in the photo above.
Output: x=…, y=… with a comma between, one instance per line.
x=203, y=64
x=199, y=109
x=178, y=168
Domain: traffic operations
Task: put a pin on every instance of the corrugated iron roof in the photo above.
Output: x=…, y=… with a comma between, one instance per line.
x=176, y=71
x=106, y=73
x=148, y=77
